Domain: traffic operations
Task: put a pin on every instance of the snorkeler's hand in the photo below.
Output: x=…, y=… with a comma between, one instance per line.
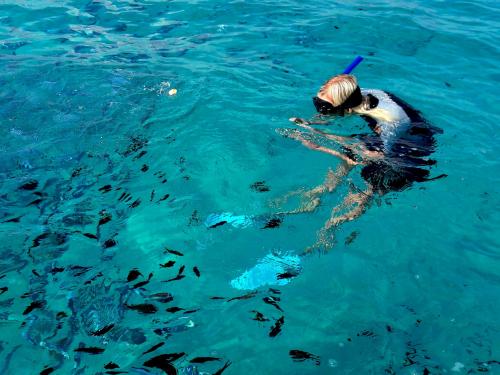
x=299, y=121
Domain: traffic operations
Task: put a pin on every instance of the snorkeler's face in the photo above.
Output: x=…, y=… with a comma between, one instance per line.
x=327, y=108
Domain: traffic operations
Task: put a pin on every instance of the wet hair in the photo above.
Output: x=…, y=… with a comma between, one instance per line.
x=339, y=88
x=343, y=91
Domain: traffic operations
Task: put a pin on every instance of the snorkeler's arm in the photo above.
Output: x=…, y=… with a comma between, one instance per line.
x=356, y=147
x=300, y=122
x=314, y=146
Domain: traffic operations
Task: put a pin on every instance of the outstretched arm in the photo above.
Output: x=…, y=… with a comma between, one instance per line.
x=314, y=146
x=306, y=125
x=347, y=142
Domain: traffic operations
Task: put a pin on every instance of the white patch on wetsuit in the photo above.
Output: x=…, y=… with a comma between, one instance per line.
x=392, y=120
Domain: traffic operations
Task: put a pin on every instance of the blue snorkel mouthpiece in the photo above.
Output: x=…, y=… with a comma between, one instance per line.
x=352, y=65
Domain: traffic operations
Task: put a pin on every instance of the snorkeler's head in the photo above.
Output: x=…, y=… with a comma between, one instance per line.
x=337, y=95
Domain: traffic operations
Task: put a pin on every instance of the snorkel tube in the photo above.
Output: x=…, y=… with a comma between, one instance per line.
x=326, y=108
x=352, y=65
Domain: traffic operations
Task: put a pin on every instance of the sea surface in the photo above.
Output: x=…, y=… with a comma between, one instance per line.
x=137, y=228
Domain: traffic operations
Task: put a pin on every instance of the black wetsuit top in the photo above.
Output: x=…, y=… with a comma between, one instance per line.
x=407, y=160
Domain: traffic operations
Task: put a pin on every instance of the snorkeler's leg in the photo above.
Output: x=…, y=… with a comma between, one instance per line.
x=332, y=180
x=326, y=235
x=310, y=198
x=357, y=203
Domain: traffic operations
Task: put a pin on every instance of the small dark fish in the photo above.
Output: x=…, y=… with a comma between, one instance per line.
x=47, y=371
x=144, y=168
x=152, y=195
x=153, y=348
x=105, y=189
x=103, y=330
x=38, y=240
x=174, y=309
x=350, y=239
x=89, y=281
x=55, y=270
x=105, y=219
x=123, y=196
x=287, y=275
x=220, y=223
x=136, y=203
x=275, y=291
x=90, y=350
x=164, y=362
x=216, y=297
x=3, y=290
x=143, y=308
x=142, y=283
x=90, y=235
x=388, y=328
x=13, y=220
x=76, y=172
x=260, y=187
x=301, y=356
x=181, y=270
x=272, y=301
x=221, y=370
x=35, y=202
x=80, y=270
x=133, y=274
x=162, y=297
x=109, y=243
x=259, y=317
x=426, y=371
x=196, y=271
x=245, y=296
x=191, y=311
x=30, y=185
x=34, y=305
x=170, y=263
x=163, y=181
x=166, y=196
x=140, y=155
x=61, y=315
x=178, y=277
x=175, y=252
x=366, y=333
x=276, y=328
x=447, y=84
x=35, y=273
x=204, y=359
x=273, y=223
x=111, y=366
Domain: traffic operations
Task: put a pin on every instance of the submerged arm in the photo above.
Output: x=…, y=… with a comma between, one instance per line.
x=314, y=146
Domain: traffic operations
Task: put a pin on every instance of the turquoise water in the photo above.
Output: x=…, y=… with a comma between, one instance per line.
x=411, y=287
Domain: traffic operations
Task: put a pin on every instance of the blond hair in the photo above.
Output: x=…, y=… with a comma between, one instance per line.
x=338, y=88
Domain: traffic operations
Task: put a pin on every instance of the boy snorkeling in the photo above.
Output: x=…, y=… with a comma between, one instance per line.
x=393, y=156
